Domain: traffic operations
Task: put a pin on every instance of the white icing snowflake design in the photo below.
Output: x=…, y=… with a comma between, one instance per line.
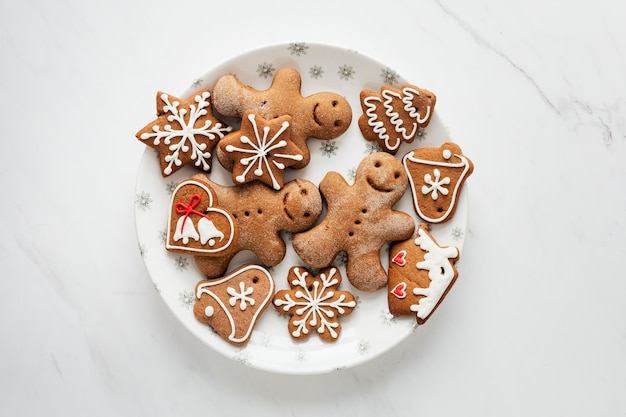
x=260, y=148
x=316, y=304
x=435, y=185
x=241, y=296
x=187, y=132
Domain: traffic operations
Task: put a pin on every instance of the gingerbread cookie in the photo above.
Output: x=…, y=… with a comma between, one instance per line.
x=184, y=132
x=420, y=275
x=261, y=150
x=323, y=115
x=196, y=225
x=232, y=305
x=261, y=214
x=359, y=221
x=314, y=303
x=437, y=176
x=394, y=115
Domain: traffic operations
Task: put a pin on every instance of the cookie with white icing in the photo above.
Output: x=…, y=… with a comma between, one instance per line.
x=233, y=304
x=437, y=176
x=321, y=115
x=421, y=272
x=184, y=132
x=314, y=303
x=197, y=225
x=394, y=116
x=261, y=150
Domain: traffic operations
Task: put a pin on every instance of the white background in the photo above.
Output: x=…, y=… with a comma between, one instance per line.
x=535, y=93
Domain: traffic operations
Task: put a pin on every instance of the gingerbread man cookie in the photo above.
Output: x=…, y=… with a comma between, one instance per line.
x=184, y=132
x=323, y=115
x=261, y=214
x=359, y=220
x=314, y=303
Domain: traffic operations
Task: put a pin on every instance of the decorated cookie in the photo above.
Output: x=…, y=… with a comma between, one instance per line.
x=323, y=115
x=184, y=132
x=261, y=213
x=437, y=176
x=420, y=275
x=314, y=303
x=261, y=150
x=196, y=225
x=394, y=115
x=232, y=304
x=359, y=221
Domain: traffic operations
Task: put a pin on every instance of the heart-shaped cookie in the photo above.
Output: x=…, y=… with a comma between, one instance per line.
x=196, y=226
x=231, y=305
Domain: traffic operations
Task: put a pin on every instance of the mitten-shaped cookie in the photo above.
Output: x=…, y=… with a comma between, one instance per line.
x=359, y=221
x=261, y=214
x=322, y=115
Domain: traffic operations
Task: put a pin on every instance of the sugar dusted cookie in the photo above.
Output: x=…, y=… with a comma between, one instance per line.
x=359, y=221
x=233, y=304
x=196, y=224
x=437, y=176
x=261, y=150
x=314, y=303
x=420, y=275
x=394, y=115
x=261, y=213
x=184, y=132
x=322, y=115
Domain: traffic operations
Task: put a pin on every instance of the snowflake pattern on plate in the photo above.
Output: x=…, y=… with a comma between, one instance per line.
x=266, y=70
x=329, y=148
x=346, y=72
x=298, y=48
x=186, y=299
x=389, y=76
x=316, y=72
x=143, y=201
x=182, y=263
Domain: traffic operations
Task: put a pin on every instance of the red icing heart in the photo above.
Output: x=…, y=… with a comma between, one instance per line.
x=399, y=290
x=400, y=258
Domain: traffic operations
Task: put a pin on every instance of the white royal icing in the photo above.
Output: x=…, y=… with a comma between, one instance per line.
x=440, y=271
x=187, y=132
x=207, y=230
x=242, y=297
x=371, y=103
x=259, y=149
x=463, y=163
x=313, y=303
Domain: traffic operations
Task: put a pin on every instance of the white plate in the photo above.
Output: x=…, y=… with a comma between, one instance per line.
x=370, y=330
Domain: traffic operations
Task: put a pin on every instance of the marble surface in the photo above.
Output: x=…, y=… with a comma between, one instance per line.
x=534, y=91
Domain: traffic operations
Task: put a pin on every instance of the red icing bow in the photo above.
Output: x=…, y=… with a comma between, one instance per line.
x=187, y=209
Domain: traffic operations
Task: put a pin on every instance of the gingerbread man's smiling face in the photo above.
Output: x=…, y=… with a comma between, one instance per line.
x=301, y=204
x=331, y=113
x=384, y=175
